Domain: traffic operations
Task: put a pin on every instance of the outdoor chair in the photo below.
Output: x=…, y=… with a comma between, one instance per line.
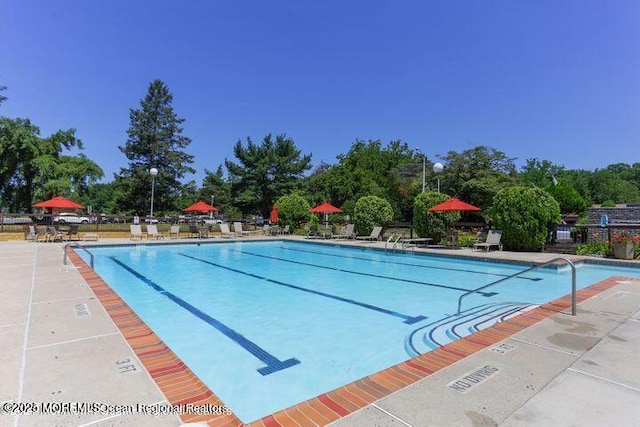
x=375, y=235
x=347, y=232
x=275, y=230
x=152, y=231
x=493, y=239
x=266, y=229
x=286, y=230
x=72, y=233
x=41, y=234
x=31, y=233
x=174, y=230
x=54, y=234
x=224, y=231
x=237, y=228
x=135, y=232
x=194, y=231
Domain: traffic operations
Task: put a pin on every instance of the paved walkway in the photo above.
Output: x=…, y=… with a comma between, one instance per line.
x=57, y=344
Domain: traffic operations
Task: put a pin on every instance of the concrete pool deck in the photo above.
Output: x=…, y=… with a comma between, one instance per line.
x=58, y=344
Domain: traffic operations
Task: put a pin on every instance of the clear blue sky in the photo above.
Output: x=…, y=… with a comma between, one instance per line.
x=552, y=79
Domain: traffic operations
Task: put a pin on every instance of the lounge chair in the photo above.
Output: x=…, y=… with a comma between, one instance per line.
x=266, y=229
x=41, y=234
x=194, y=231
x=286, y=230
x=72, y=233
x=174, y=230
x=54, y=234
x=224, y=231
x=31, y=233
x=135, y=232
x=375, y=234
x=152, y=231
x=493, y=239
x=346, y=232
x=237, y=228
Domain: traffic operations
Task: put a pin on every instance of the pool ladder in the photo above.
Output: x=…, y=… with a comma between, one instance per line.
x=535, y=267
x=395, y=242
x=76, y=245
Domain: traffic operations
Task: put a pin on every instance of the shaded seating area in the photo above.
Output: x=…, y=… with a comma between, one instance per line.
x=493, y=239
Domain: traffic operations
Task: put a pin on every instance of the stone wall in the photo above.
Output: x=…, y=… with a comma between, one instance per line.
x=617, y=218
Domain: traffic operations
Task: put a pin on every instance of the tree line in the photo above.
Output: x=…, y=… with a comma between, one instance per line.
x=35, y=167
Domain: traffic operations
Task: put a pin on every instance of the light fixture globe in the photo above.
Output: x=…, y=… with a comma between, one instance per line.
x=438, y=167
x=153, y=171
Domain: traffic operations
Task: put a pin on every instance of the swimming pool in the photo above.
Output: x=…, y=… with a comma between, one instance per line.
x=269, y=324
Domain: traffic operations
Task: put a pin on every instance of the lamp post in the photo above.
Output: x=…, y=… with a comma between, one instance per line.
x=153, y=172
x=211, y=213
x=437, y=168
x=424, y=164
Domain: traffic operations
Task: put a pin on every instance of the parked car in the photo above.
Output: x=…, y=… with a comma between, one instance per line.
x=70, y=218
x=213, y=221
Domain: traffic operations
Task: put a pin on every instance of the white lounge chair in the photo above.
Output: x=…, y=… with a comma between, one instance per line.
x=152, y=231
x=135, y=232
x=174, y=230
x=493, y=239
x=237, y=228
x=375, y=234
x=224, y=231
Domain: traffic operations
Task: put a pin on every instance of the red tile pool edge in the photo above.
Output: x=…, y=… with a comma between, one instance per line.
x=181, y=386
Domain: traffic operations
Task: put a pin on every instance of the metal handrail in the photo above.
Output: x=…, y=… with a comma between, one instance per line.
x=76, y=245
x=535, y=267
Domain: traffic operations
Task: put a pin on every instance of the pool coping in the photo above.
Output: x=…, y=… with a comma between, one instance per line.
x=181, y=386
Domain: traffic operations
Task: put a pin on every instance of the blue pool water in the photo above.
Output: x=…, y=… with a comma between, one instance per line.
x=267, y=325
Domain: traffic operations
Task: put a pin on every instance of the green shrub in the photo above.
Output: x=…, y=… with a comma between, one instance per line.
x=293, y=209
x=596, y=248
x=524, y=215
x=369, y=212
x=608, y=204
x=430, y=224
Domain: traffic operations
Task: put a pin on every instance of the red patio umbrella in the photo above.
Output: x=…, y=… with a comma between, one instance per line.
x=201, y=206
x=58, y=202
x=326, y=208
x=273, y=217
x=454, y=205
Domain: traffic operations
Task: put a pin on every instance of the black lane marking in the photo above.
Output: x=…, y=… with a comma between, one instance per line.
x=407, y=319
x=273, y=364
x=534, y=279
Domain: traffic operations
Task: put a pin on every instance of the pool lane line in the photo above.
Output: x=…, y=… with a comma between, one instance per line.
x=377, y=276
x=534, y=279
x=409, y=320
x=273, y=364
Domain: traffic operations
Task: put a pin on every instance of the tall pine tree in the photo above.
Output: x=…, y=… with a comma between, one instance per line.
x=154, y=140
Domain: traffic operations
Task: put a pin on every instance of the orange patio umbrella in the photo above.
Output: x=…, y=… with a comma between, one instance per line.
x=454, y=205
x=326, y=208
x=201, y=206
x=273, y=217
x=58, y=202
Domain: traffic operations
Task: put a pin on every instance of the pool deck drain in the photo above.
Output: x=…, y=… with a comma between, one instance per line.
x=60, y=345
